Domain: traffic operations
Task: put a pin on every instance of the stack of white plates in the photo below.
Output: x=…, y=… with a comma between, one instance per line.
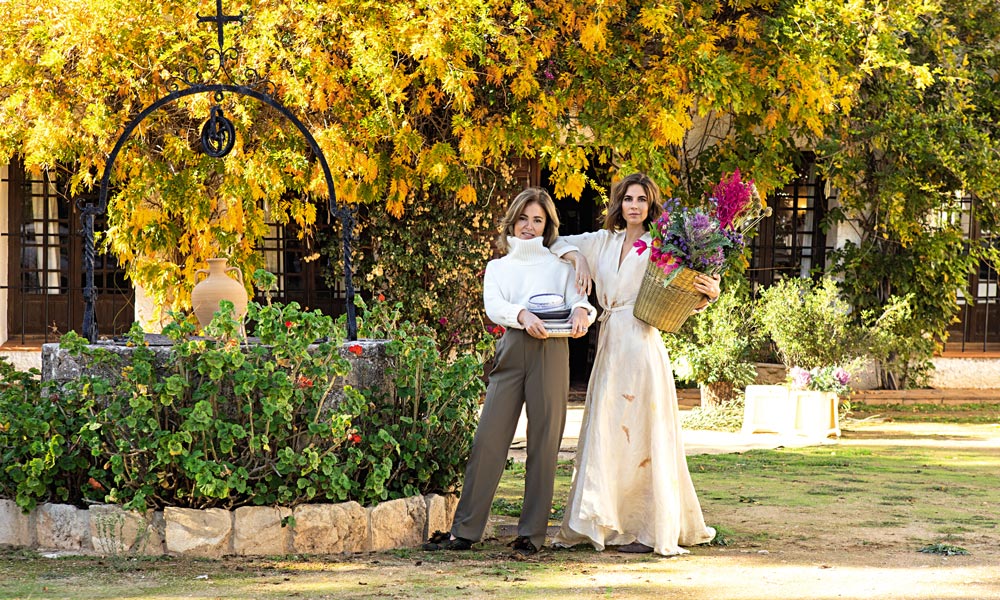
x=549, y=307
x=552, y=309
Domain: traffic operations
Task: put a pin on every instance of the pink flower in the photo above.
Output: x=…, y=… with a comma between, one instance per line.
x=842, y=376
x=641, y=245
x=799, y=377
x=443, y=321
x=732, y=196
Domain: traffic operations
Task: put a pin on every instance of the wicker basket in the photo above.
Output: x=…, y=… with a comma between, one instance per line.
x=666, y=307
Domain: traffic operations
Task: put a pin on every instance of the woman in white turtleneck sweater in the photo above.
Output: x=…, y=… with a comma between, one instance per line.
x=530, y=369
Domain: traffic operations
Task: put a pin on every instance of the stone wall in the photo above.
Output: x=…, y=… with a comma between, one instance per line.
x=368, y=368
x=344, y=528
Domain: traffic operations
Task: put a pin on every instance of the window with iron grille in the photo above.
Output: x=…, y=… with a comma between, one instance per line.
x=44, y=286
x=978, y=327
x=300, y=268
x=791, y=243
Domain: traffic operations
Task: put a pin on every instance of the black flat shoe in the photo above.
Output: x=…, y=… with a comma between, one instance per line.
x=441, y=540
x=523, y=547
x=635, y=548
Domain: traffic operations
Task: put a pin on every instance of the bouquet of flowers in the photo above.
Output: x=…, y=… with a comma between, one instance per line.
x=820, y=379
x=704, y=239
x=707, y=239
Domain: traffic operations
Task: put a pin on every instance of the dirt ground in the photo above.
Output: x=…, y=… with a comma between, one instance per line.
x=843, y=520
x=833, y=551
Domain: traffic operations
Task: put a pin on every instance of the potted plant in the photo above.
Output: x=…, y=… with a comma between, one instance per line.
x=715, y=348
x=819, y=342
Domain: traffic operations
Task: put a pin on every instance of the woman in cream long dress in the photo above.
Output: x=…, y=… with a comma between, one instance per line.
x=631, y=486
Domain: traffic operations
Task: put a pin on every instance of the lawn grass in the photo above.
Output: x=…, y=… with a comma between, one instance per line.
x=863, y=498
x=983, y=412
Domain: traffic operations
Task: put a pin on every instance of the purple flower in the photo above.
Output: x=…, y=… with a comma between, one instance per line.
x=799, y=377
x=842, y=376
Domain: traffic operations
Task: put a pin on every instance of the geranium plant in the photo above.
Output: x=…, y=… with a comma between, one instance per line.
x=820, y=379
x=706, y=238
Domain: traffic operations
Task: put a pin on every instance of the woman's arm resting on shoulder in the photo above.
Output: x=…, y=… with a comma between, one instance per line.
x=584, y=279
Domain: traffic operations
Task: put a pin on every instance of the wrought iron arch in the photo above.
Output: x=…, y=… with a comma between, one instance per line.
x=217, y=139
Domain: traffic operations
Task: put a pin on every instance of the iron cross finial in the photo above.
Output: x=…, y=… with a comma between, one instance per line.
x=220, y=19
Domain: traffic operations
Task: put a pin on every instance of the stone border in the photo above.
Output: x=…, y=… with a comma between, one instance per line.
x=344, y=528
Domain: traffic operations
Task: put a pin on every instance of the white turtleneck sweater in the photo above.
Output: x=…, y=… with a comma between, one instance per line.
x=529, y=268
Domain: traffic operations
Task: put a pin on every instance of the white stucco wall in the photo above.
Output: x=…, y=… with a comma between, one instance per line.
x=977, y=373
x=24, y=360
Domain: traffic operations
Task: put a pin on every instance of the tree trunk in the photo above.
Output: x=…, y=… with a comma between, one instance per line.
x=714, y=394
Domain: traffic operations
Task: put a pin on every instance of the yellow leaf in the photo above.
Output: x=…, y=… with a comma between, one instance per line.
x=466, y=195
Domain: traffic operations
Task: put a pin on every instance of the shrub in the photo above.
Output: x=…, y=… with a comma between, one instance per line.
x=40, y=453
x=425, y=427
x=716, y=346
x=901, y=347
x=810, y=325
x=222, y=424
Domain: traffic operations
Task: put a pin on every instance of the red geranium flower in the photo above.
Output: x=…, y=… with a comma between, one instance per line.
x=354, y=438
x=355, y=349
x=288, y=324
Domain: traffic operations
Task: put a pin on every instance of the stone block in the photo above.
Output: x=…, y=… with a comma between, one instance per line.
x=258, y=531
x=206, y=533
x=330, y=528
x=16, y=528
x=438, y=516
x=398, y=523
x=62, y=527
x=114, y=531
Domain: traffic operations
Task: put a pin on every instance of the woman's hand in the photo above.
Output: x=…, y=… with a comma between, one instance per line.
x=533, y=326
x=584, y=280
x=708, y=285
x=580, y=322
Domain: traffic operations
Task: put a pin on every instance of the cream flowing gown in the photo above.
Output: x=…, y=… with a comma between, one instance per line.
x=631, y=480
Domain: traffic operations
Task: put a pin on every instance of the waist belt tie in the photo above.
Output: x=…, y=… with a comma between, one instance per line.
x=607, y=311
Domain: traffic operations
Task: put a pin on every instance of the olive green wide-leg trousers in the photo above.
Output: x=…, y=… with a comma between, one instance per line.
x=532, y=372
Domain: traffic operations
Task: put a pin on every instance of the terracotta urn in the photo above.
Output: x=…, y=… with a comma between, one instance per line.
x=218, y=285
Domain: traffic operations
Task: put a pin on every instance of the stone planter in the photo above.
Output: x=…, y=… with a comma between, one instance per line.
x=768, y=409
x=777, y=409
x=816, y=413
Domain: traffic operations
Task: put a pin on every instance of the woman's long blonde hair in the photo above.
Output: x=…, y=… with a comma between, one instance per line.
x=540, y=197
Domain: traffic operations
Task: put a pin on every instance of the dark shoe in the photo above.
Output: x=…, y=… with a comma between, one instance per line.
x=523, y=547
x=441, y=540
x=635, y=548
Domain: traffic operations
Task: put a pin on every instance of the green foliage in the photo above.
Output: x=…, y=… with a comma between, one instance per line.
x=901, y=348
x=717, y=345
x=727, y=416
x=423, y=430
x=430, y=261
x=810, y=324
x=41, y=457
x=922, y=128
x=944, y=549
x=223, y=424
